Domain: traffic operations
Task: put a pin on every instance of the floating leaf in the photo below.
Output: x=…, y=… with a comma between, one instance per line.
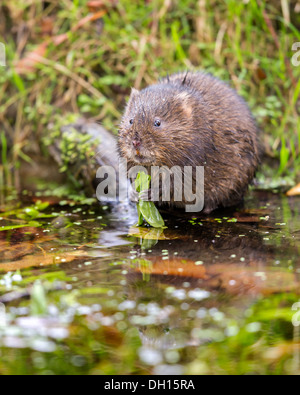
x=173, y=266
x=156, y=234
x=43, y=259
x=12, y=227
x=148, y=234
x=294, y=191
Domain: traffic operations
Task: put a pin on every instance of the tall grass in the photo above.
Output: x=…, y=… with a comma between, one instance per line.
x=5, y=177
x=248, y=44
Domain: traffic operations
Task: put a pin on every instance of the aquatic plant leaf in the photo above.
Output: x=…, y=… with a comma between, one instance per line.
x=29, y=213
x=141, y=219
x=12, y=227
x=156, y=234
x=147, y=210
x=151, y=214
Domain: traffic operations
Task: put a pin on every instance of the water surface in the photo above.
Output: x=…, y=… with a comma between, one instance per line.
x=83, y=291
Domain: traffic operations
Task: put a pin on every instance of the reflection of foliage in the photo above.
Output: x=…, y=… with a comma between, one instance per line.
x=96, y=348
x=258, y=340
x=264, y=344
x=144, y=266
x=38, y=299
x=28, y=215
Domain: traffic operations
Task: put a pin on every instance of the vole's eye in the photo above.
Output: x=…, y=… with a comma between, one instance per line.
x=157, y=123
x=131, y=121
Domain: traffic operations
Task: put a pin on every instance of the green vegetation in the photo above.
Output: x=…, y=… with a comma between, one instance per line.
x=27, y=216
x=69, y=58
x=147, y=210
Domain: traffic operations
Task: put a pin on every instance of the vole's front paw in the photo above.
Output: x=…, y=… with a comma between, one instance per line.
x=150, y=195
x=133, y=196
x=145, y=195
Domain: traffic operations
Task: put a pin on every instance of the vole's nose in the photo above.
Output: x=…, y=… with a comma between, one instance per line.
x=136, y=143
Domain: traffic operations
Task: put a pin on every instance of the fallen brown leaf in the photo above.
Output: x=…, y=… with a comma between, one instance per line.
x=234, y=279
x=154, y=233
x=112, y=336
x=89, y=18
x=294, y=191
x=41, y=259
x=14, y=252
x=95, y=5
x=281, y=350
x=247, y=218
x=29, y=62
x=261, y=74
x=239, y=279
x=47, y=26
x=174, y=267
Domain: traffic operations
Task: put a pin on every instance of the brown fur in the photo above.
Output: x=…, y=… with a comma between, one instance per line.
x=203, y=123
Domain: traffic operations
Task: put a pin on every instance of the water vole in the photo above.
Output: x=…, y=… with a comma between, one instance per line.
x=193, y=120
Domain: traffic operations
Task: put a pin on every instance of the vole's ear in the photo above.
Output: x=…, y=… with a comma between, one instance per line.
x=187, y=108
x=134, y=92
x=133, y=96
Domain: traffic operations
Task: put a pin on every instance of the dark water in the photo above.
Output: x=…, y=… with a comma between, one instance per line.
x=87, y=292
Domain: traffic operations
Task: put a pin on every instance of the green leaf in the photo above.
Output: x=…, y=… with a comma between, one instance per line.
x=34, y=224
x=12, y=227
x=141, y=219
x=147, y=210
x=18, y=82
x=151, y=214
x=42, y=205
x=32, y=212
